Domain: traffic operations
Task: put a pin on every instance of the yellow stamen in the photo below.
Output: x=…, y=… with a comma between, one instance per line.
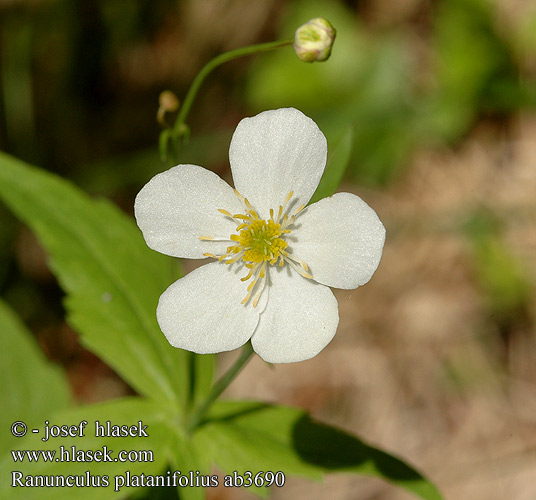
x=238, y=195
x=258, y=243
x=280, y=213
x=289, y=196
x=249, y=275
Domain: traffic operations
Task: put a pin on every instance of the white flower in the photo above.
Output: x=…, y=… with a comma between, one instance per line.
x=275, y=259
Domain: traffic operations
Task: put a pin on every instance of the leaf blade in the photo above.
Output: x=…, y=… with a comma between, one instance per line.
x=33, y=386
x=112, y=279
x=244, y=435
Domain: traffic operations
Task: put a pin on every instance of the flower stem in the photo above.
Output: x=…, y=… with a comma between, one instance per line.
x=211, y=65
x=197, y=416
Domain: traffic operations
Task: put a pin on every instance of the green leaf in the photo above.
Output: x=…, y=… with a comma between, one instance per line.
x=335, y=450
x=185, y=457
x=113, y=280
x=250, y=436
x=336, y=166
x=127, y=412
x=259, y=437
x=32, y=386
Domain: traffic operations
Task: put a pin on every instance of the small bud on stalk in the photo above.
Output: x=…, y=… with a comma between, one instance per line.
x=314, y=39
x=168, y=103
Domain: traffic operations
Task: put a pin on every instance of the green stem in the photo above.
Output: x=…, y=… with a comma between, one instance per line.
x=197, y=417
x=211, y=65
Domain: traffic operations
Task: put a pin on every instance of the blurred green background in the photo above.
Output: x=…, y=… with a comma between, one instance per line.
x=441, y=96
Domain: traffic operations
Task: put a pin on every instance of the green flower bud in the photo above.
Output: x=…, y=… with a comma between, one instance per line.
x=313, y=40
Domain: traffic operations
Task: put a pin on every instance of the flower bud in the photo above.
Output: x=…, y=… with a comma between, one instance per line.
x=313, y=40
x=168, y=100
x=168, y=103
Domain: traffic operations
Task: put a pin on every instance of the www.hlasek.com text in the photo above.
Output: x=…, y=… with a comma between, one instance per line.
x=74, y=454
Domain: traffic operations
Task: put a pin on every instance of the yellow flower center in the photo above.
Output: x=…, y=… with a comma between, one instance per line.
x=260, y=240
x=258, y=243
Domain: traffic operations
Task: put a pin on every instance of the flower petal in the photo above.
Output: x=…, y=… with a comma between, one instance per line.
x=181, y=204
x=276, y=152
x=341, y=239
x=300, y=319
x=202, y=312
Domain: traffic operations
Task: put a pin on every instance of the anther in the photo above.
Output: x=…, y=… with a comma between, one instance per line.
x=249, y=275
x=238, y=195
x=300, y=208
x=225, y=212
